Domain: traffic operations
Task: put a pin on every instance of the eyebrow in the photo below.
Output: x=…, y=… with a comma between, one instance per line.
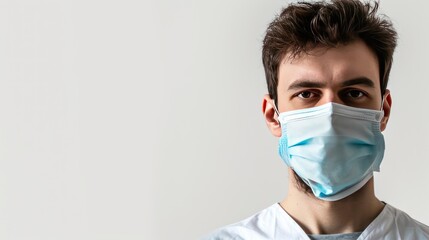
x=314, y=84
x=306, y=84
x=359, y=81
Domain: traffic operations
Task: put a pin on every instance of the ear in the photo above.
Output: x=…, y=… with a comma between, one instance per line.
x=271, y=116
x=387, y=105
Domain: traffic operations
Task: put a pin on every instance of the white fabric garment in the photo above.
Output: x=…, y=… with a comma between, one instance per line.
x=274, y=223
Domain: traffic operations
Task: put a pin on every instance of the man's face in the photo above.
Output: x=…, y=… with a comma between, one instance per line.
x=347, y=74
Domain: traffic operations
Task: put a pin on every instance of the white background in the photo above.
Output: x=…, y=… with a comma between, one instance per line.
x=142, y=120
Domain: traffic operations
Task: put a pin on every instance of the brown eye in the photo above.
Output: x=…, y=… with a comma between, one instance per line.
x=355, y=94
x=305, y=94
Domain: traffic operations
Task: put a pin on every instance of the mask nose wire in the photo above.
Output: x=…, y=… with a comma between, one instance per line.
x=278, y=113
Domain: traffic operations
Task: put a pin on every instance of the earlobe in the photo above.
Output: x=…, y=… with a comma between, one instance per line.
x=387, y=105
x=270, y=116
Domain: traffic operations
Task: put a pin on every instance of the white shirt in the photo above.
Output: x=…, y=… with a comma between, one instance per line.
x=274, y=223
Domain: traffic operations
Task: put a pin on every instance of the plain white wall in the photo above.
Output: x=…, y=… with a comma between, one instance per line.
x=142, y=120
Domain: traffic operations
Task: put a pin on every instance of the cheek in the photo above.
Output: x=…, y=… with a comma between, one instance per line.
x=283, y=103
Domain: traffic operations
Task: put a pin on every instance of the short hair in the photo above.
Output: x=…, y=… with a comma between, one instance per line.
x=303, y=26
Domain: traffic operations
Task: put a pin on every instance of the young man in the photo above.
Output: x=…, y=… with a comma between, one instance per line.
x=327, y=66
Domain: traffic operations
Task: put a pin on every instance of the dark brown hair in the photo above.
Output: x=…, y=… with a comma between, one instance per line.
x=305, y=25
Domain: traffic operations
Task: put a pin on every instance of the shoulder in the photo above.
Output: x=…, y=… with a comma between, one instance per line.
x=262, y=225
x=406, y=226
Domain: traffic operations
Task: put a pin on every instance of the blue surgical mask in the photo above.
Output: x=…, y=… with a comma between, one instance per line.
x=333, y=148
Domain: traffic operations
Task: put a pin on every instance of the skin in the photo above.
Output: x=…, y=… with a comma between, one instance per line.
x=349, y=75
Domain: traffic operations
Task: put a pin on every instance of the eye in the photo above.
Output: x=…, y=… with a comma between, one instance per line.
x=306, y=94
x=355, y=94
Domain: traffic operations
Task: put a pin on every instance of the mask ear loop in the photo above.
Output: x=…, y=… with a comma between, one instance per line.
x=276, y=110
x=382, y=103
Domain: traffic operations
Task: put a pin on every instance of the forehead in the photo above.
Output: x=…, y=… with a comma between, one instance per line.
x=331, y=65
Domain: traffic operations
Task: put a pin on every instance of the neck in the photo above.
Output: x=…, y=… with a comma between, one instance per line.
x=351, y=214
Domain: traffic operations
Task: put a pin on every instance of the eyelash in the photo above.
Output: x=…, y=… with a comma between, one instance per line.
x=306, y=91
x=343, y=93
x=362, y=93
